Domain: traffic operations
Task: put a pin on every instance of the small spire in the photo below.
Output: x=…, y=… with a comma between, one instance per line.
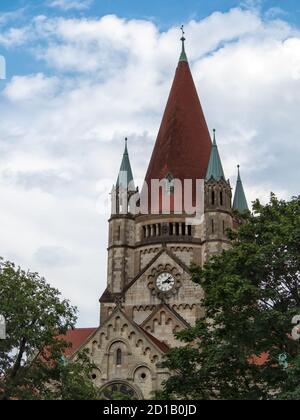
x=183, y=56
x=215, y=168
x=214, y=142
x=240, y=202
x=125, y=178
x=239, y=173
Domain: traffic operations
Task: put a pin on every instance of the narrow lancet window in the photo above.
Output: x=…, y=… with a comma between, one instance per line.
x=119, y=357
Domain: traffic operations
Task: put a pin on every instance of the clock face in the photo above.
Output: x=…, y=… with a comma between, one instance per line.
x=165, y=282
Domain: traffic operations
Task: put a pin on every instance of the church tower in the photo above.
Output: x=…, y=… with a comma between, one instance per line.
x=121, y=240
x=179, y=217
x=218, y=211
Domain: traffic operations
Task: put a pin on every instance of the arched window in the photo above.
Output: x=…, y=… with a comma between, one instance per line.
x=119, y=357
x=221, y=198
x=213, y=198
x=212, y=226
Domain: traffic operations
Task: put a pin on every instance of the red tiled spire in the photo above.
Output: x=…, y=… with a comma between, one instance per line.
x=183, y=144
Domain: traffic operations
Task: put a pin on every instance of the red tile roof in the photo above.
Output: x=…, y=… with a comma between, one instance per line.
x=76, y=338
x=259, y=360
x=183, y=144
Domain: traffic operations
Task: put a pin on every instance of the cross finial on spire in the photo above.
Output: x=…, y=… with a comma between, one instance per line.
x=183, y=56
x=214, y=130
x=182, y=30
x=126, y=150
x=239, y=175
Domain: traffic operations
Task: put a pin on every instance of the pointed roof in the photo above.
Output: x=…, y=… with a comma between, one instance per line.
x=125, y=177
x=183, y=144
x=240, y=201
x=215, y=168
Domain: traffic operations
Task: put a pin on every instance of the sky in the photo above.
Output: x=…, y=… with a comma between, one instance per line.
x=83, y=75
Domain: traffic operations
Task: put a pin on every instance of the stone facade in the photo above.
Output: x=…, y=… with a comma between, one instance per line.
x=138, y=322
x=149, y=294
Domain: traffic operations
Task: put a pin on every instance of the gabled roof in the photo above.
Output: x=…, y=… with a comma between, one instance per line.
x=177, y=315
x=162, y=251
x=215, y=168
x=162, y=346
x=76, y=338
x=80, y=340
x=240, y=202
x=169, y=309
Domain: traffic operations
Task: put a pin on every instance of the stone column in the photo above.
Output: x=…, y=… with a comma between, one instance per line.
x=180, y=229
x=157, y=229
x=174, y=228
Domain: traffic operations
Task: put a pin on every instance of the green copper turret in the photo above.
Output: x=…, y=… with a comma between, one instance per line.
x=125, y=177
x=240, y=201
x=215, y=168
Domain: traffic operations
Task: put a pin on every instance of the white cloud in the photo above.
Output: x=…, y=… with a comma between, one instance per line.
x=253, y=5
x=61, y=134
x=14, y=37
x=71, y=4
x=24, y=88
x=6, y=17
x=56, y=256
x=275, y=12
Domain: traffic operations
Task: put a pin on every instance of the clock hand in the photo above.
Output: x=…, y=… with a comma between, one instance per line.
x=168, y=280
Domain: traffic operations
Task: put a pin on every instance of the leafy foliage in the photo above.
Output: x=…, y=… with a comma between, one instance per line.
x=31, y=364
x=252, y=292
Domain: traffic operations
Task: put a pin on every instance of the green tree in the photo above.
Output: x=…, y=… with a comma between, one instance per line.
x=31, y=361
x=243, y=348
x=74, y=380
